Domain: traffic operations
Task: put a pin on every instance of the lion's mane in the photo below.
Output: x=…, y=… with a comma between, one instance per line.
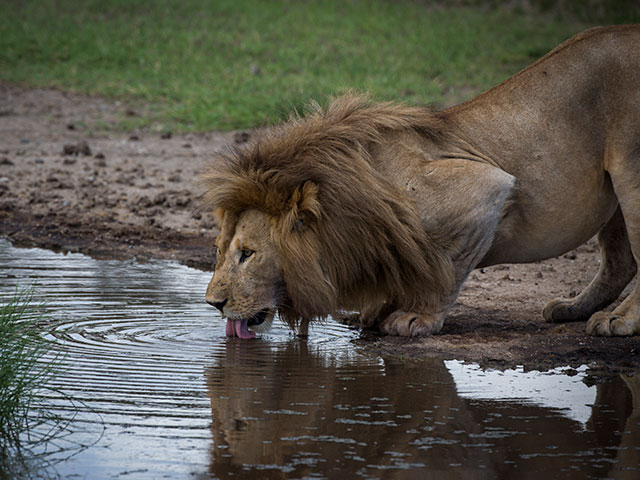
x=347, y=238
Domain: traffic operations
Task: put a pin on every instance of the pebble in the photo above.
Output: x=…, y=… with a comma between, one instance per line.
x=77, y=149
x=241, y=137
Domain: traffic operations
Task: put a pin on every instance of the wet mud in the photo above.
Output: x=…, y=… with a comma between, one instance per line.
x=70, y=183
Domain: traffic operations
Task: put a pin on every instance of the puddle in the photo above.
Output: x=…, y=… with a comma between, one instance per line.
x=159, y=392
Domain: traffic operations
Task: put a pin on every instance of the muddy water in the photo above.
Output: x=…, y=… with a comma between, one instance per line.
x=153, y=389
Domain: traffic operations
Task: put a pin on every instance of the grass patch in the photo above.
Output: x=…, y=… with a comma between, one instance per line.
x=24, y=369
x=242, y=63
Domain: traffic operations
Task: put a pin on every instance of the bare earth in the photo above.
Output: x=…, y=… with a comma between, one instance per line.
x=69, y=183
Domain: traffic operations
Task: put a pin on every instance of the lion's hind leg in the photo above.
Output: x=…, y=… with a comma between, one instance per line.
x=617, y=268
x=623, y=165
x=623, y=321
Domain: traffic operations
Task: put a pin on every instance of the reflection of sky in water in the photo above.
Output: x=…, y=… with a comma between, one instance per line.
x=147, y=362
x=551, y=389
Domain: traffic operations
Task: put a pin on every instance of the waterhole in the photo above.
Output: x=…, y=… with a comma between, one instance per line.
x=152, y=388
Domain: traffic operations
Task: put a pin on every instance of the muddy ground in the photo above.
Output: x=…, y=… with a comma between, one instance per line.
x=69, y=182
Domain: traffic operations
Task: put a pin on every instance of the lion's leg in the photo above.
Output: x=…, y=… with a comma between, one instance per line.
x=625, y=176
x=617, y=268
x=303, y=328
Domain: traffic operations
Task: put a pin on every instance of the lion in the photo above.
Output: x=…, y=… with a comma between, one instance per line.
x=384, y=209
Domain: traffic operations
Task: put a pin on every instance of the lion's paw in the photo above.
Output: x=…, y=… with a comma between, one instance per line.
x=560, y=310
x=610, y=324
x=409, y=324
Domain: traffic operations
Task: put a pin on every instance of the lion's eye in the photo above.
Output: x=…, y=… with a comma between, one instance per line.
x=246, y=253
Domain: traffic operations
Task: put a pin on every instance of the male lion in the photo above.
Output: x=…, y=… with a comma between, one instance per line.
x=384, y=209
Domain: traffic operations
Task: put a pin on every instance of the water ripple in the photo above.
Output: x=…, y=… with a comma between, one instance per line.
x=152, y=388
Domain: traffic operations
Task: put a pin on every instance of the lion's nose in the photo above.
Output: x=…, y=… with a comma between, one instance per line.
x=218, y=305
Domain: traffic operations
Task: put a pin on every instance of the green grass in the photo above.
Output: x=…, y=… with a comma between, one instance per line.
x=227, y=64
x=23, y=370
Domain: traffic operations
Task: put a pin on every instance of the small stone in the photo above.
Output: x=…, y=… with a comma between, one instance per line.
x=80, y=148
x=69, y=161
x=39, y=160
x=241, y=137
x=99, y=156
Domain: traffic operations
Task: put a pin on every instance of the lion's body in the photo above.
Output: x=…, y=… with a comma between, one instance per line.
x=386, y=209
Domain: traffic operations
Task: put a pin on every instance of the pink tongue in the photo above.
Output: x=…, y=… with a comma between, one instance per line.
x=239, y=328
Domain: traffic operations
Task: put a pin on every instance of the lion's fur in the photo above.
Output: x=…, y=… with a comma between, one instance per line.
x=347, y=238
x=385, y=208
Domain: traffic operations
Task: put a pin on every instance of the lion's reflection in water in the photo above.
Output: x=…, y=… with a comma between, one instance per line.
x=292, y=411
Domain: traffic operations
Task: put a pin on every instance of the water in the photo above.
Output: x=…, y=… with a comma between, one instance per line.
x=153, y=389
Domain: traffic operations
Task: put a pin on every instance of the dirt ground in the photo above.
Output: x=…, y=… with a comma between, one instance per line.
x=68, y=182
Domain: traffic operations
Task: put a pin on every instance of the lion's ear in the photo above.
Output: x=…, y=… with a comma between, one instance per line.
x=304, y=207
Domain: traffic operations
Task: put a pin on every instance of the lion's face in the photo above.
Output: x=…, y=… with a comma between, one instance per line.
x=247, y=284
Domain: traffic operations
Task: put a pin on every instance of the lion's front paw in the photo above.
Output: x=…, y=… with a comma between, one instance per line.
x=409, y=324
x=610, y=324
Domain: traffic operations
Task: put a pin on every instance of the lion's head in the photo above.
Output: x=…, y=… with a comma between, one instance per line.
x=247, y=285
x=310, y=228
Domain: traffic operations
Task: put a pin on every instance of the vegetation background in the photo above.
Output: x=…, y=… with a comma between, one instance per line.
x=226, y=64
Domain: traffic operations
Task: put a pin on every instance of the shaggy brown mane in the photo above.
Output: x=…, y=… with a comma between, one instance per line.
x=347, y=238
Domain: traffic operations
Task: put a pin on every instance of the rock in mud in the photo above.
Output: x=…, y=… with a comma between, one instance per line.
x=241, y=137
x=80, y=148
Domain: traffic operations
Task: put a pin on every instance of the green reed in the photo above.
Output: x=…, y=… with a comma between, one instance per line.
x=26, y=366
